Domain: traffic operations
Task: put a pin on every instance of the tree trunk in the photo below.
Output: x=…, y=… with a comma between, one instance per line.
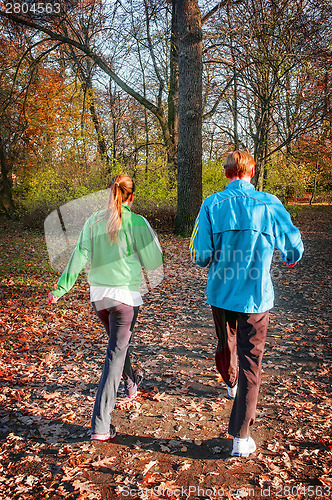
x=261, y=140
x=115, y=125
x=189, y=158
x=6, y=187
x=146, y=126
x=235, y=111
x=259, y=176
x=84, y=74
x=235, y=102
x=173, y=97
x=313, y=194
x=101, y=143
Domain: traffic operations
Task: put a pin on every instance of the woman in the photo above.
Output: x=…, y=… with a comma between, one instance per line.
x=117, y=243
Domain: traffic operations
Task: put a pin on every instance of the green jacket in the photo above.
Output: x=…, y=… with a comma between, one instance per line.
x=118, y=264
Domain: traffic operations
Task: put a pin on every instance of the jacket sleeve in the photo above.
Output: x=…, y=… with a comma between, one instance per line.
x=79, y=258
x=287, y=236
x=147, y=246
x=201, y=241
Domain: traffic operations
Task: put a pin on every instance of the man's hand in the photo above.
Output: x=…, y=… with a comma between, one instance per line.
x=289, y=265
x=52, y=299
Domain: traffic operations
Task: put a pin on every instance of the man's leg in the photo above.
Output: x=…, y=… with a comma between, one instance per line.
x=251, y=336
x=226, y=357
x=120, y=320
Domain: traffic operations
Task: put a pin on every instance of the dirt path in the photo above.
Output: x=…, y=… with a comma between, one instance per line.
x=173, y=440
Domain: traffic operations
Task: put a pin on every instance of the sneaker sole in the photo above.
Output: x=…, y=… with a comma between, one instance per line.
x=101, y=440
x=104, y=437
x=242, y=454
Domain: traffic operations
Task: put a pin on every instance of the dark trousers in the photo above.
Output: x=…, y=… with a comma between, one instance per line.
x=241, y=341
x=119, y=320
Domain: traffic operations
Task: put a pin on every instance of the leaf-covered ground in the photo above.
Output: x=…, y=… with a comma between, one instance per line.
x=172, y=441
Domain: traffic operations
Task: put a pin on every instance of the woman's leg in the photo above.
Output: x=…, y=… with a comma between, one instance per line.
x=120, y=318
x=129, y=375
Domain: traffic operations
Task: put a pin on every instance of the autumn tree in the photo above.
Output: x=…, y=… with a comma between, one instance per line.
x=64, y=29
x=257, y=60
x=84, y=71
x=263, y=51
x=12, y=123
x=314, y=150
x=45, y=156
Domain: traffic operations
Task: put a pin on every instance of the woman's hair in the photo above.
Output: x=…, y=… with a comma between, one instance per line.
x=121, y=187
x=239, y=163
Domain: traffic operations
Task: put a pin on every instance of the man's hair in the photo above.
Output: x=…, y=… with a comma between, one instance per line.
x=239, y=164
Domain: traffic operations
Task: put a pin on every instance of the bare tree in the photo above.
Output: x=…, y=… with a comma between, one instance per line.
x=266, y=49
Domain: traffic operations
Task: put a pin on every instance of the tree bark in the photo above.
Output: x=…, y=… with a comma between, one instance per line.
x=101, y=143
x=189, y=158
x=6, y=187
x=261, y=139
x=313, y=193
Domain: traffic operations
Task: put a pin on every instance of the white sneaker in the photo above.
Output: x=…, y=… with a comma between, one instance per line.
x=231, y=391
x=242, y=447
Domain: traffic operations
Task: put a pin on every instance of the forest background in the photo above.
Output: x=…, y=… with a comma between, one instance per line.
x=90, y=89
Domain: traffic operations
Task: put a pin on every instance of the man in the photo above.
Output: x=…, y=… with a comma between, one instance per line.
x=235, y=233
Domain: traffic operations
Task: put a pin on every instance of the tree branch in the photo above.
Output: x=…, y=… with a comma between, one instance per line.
x=153, y=57
x=221, y=95
x=219, y=5
x=7, y=101
x=97, y=59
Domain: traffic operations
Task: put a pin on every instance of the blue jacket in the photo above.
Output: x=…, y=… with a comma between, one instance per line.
x=235, y=233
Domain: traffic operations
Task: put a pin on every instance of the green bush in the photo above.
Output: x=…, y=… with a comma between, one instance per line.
x=285, y=181
x=213, y=178
x=53, y=186
x=154, y=186
x=37, y=195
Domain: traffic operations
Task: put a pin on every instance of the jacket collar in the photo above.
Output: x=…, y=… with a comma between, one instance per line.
x=240, y=184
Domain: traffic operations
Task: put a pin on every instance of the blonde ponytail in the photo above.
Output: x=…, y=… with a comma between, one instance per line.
x=121, y=187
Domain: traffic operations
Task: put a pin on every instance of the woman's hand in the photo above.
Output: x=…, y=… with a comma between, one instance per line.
x=52, y=299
